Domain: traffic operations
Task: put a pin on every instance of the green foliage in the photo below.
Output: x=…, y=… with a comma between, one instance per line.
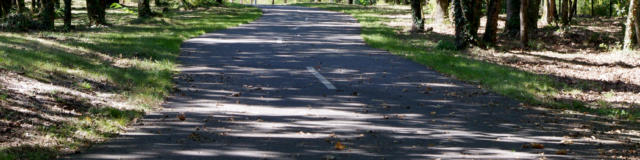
x=123, y=8
x=204, y=3
x=366, y=2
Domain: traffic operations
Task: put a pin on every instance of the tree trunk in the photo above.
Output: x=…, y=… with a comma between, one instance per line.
x=441, y=10
x=350, y=1
x=67, y=14
x=459, y=21
x=629, y=25
x=474, y=18
x=96, y=12
x=5, y=7
x=144, y=9
x=524, y=34
x=610, y=8
x=533, y=11
x=573, y=10
x=493, y=10
x=553, y=11
x=417, y=15
x=467, y=20
x=512, y=26
x=20, y=6
x=592, y=10
x=549, y=12
x=47, y=16
x=33, y=6
x=57, y=3
x=564, y=12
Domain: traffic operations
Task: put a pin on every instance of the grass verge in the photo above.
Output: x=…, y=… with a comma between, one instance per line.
x=436, y=53
x=133, y=60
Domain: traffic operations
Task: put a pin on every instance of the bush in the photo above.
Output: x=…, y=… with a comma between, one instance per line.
x=18, y=22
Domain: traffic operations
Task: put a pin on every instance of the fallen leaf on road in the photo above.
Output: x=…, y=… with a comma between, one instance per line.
x=533, y=145
x=561, y=152
x=339, y=146
x=237, y=94
x=181, y=117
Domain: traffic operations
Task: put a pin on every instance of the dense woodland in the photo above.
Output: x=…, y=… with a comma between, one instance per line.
x=523, y=16
x=21, y=15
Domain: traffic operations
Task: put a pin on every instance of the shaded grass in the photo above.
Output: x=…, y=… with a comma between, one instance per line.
x=133, y=58
x=432, y=50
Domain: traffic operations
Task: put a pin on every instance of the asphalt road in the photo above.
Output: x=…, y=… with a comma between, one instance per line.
x=256, y=92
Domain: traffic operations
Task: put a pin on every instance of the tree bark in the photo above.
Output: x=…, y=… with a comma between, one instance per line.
x=20, y=6
x=459, y=21
x=549, y=12
x=592, y=10
x=512, y=26
x=144, y=9
x=629, y=25
x=5, y=7
x=47, y=16
x=564, y=12
x=475, y=6
x=573, y=10
x=533, y=11
x=524, y=34
x=553, y=11
x=96, y=12
x=493, y=10
x=67, y=14
x=441, y=10
x=417, y=16
x=467, y=20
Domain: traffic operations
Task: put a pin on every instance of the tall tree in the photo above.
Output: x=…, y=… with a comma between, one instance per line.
x=632, y=17
x=5, y=7
x=549, y=12
x=96, y=12
x=20, y=6
x=533, y=11
x=467, y=20
x=564, y=12
x=512, y=26
x=441, y=10
x=524, y=34
x=493, y=9
x=417, y=15
x=573, y=9
x=48, y=14
x=144, y=9
x=67, y=14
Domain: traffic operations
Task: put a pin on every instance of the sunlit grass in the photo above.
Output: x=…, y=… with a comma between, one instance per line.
x=136, y=58
x=530, y=88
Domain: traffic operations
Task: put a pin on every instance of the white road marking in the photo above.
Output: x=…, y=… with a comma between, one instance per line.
x=321, y=78
x=279, y=40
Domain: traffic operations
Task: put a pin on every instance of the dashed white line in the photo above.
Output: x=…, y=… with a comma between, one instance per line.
x=321, y=78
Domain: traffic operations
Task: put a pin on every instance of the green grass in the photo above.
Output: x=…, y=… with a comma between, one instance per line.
x=134, y=58
x=435, y=51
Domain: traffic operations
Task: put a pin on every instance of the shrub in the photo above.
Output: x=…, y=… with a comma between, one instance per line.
x=18, y=22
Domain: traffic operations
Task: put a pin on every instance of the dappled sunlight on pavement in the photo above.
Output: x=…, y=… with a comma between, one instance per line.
x=246, y=93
